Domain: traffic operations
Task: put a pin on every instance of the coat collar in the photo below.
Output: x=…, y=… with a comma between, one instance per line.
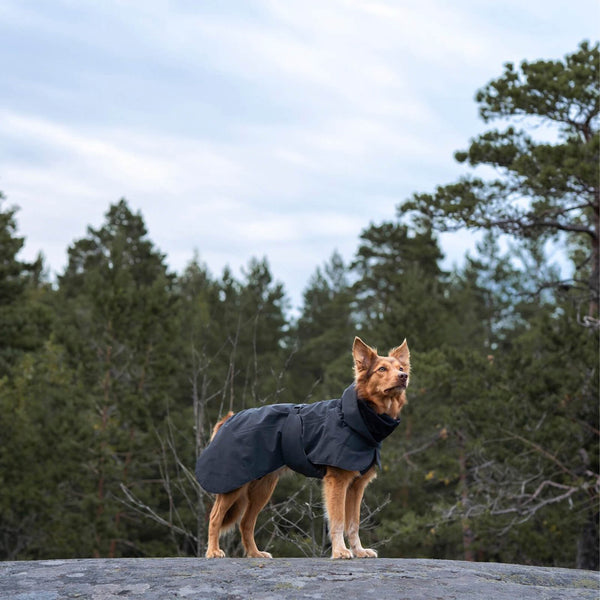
x=353, y=417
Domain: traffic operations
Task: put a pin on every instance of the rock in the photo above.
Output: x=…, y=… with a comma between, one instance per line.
x=199, y=578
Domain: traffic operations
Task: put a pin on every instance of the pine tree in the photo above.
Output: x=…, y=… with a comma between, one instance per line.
x=399, y=291
x=24, y=320
x=545, y=190
x=46, y=425
x=321, y=367
x=116, y=320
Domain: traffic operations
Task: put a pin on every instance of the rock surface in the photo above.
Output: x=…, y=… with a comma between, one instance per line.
x=381, y=579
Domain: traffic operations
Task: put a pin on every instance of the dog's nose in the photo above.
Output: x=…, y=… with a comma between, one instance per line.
x=402, y=376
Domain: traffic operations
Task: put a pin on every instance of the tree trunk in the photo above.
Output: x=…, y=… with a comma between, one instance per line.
x=588, y=556
x=467, y=532
x=595, y=275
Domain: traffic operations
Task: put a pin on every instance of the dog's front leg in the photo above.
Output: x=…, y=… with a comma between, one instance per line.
x=335, y=487
x=353, y=501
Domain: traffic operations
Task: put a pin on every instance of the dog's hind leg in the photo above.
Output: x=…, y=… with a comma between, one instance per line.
x=353, y=501
x=259, y=492
x=335, y=487
x=225, y=512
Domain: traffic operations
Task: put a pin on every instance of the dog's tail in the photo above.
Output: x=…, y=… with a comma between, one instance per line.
x=220, y=424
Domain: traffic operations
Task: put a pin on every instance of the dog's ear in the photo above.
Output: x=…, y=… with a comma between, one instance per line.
x=364, y=355
x=401, y=352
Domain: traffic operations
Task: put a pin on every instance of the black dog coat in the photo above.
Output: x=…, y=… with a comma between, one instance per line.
x=344, y=433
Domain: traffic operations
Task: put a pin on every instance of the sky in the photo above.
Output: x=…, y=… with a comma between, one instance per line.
x=257, y=128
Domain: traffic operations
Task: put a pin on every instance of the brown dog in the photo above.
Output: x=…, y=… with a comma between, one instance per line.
x=380, y=383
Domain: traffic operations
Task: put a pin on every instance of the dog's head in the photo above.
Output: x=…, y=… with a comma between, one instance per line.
x=382, y=380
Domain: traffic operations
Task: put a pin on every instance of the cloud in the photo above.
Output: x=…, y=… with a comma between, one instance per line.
x=247, y=128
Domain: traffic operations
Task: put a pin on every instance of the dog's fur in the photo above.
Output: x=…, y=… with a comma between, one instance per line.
x=380, y=381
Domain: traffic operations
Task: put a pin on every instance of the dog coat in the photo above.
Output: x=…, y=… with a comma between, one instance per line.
x=344, y=433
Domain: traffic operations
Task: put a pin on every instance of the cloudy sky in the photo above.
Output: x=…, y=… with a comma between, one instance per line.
x=250, y=128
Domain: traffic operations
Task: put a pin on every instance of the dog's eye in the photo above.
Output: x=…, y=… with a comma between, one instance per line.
x=382, y=369
x=401, y=369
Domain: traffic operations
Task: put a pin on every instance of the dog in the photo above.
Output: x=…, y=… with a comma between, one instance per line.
x=336, y=440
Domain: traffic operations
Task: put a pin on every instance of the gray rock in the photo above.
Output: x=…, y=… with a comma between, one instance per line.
x=323, y=579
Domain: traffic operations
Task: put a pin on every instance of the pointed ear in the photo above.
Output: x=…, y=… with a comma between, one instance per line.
x=401, y=352
x=363, y=355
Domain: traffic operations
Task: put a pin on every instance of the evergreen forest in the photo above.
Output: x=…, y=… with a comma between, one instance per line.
x=113, y=374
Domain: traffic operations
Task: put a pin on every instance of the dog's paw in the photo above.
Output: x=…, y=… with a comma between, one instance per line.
x=365, y=553
x=260, y=554
x=218, y=553
x=343, y=553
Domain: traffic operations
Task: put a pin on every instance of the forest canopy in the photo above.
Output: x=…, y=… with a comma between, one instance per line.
x=112, y=376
